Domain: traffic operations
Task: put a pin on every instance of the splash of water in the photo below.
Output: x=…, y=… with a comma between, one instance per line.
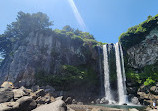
x=77, y=15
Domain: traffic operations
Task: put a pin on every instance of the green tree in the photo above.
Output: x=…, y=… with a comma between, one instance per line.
x=77, y=32
x=24, y=24
x=67, y=28
x=149, y=17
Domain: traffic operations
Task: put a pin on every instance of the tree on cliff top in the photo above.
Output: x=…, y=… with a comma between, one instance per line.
x=24, y=24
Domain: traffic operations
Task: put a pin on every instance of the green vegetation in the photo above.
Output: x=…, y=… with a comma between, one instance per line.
x=38, y=22
x=147, y=76
x=70, y=77
x=24, y=24
x=136, y=34
x=149, y=81
x=78, y=35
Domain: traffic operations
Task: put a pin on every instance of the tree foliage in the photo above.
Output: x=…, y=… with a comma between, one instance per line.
x=69, y=74
x=24, y=24
x=147, y=76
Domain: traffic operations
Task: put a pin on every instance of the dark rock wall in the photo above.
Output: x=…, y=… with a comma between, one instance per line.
x=45, y=52
x=144, y=53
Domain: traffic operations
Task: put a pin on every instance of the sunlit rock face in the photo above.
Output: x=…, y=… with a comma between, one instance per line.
x=146, y=52
x=43, y=52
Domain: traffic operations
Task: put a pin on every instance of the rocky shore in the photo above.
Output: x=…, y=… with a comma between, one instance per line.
x=37, y=99
x=46, y=99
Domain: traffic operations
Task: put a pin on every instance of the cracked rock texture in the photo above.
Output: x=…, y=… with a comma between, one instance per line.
x=146, y=52
x=43, y=52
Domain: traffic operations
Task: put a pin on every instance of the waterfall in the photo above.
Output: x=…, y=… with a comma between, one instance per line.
x=106, y=75
x=110, y=53
x=120, y=74
x=123, y=70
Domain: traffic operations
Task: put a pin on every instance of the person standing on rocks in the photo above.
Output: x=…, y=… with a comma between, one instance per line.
x=154, y=104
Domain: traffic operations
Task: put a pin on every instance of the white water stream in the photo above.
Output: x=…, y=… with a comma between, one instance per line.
x=120, y=72
x=106, y=75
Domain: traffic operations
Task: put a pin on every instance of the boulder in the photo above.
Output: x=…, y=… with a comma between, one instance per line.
x=18, y=93
x=7, y=84
x=59, y=98
x=43, y=100
x=97, y=101
x=32, y=105
x=146, y=102
x=58, y=105
x=135, y=100
x=133, y=109
x=92, y=102
x=33, y=95
x=154, y=90
x=79, y=103
x=26, y=103
x=70, y=109
x=132, y=90
x=125, y=104
x=104, y=101
x=35, y=88
x=96, y=109
x=27, y=91
x=68, y=100
x=88, y=109
x=40, y=92
x=74, y=101
x=6, y=95
x=9, y=106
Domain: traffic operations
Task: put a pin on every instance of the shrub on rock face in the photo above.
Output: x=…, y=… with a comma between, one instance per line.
x=137, y=33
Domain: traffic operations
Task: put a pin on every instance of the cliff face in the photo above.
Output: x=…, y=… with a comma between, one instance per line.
x=44, y=52
x=144, y=53
x=141, y=64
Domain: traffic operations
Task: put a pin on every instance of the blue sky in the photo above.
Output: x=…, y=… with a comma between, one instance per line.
x=105, y=19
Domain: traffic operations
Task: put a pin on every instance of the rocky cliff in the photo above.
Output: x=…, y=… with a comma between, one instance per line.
x=142, y=68
x=48, y=52
x=146, y=52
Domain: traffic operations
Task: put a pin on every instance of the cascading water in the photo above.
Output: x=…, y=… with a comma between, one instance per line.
x=108, y=51
x=120, y=74
x=123, y=70
x=106, y=75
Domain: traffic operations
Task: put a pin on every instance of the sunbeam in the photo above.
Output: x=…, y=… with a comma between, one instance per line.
x=77, y=15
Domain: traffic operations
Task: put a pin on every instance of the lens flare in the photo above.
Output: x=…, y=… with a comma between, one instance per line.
x=77, y=15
